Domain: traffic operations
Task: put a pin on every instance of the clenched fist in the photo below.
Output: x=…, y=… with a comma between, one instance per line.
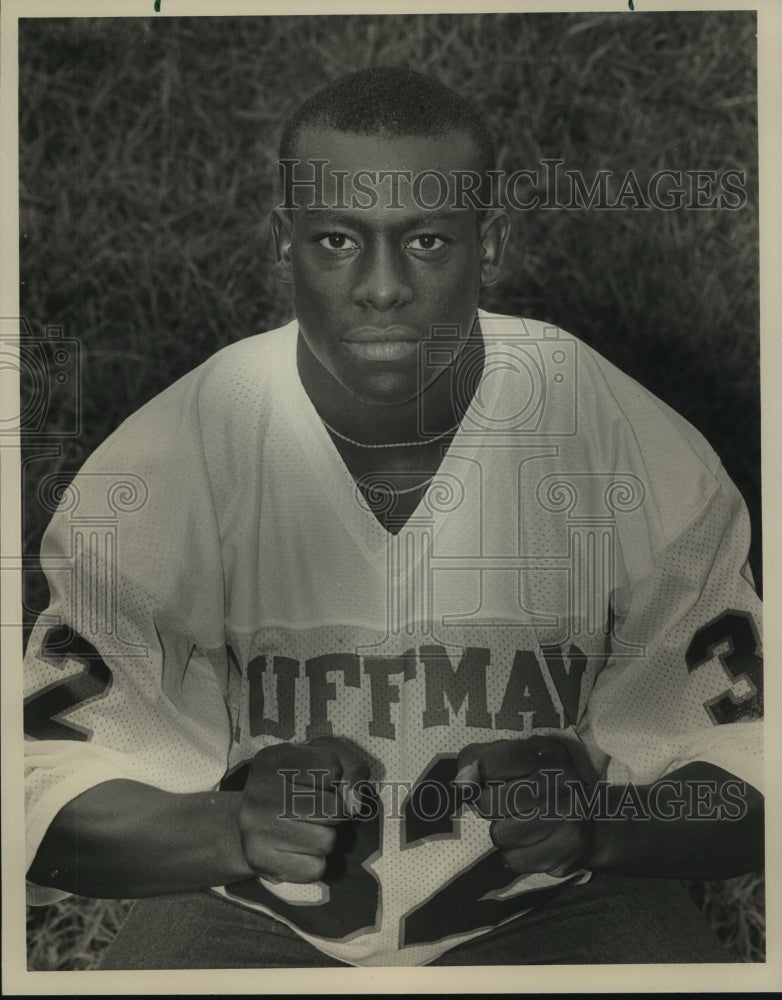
x=522, y=786
x=294, y=798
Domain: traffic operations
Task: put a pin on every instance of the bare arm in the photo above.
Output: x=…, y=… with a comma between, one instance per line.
x=714, y=838
x=125, y=839
x=699, y=823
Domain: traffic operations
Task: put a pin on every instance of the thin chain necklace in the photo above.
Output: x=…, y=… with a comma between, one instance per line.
x=388, y=488
x=393, y=444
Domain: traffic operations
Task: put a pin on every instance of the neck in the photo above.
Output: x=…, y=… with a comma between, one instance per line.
x=443, y=404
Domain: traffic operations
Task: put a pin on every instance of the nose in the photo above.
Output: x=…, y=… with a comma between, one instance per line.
x=382, y=283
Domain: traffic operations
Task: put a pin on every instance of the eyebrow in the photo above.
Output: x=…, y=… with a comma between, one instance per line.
x=331, y=215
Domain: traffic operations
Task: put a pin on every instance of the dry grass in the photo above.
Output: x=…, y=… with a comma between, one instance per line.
x=148, y=150
x=73, y=933
x=736, y=908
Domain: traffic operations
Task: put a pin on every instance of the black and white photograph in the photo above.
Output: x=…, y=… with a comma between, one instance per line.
x=383, y=413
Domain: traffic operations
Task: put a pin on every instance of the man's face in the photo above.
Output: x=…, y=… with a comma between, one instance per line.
x=370, y=283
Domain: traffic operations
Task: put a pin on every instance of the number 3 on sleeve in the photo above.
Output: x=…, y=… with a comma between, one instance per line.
x=732, y=639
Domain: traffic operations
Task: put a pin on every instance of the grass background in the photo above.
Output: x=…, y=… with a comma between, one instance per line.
x=147, y=173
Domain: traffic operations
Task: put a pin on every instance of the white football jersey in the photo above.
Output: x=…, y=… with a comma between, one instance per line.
x=576, y=567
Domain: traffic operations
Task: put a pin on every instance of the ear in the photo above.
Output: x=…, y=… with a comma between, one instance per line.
x=282, y=234
x=493, y=234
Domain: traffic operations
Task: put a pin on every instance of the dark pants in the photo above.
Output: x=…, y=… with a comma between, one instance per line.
x=608, y=920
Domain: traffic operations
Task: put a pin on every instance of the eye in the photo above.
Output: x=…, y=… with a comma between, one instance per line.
x=337, y=241
x=426, y=241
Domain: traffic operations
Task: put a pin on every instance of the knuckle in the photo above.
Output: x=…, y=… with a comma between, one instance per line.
x=264, y=774
x=495, y=754
x=499, y=835
x=328, y=839
x=333, y=745
x=290, y=868
x=322, y=763
x=311, y=838
x=272, y=756
x=290, y=863
x=309, y=869
x=468, y=753
x=358, y=771
x=519, y=755
x=350, y=763
x=472, y=753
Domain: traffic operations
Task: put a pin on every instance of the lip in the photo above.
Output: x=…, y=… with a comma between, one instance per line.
x=375, y=343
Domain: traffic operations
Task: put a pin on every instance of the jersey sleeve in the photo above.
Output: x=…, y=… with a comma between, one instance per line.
x=684, y=679
x=125, y=673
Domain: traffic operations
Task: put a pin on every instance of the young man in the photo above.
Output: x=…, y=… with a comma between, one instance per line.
x=420, y=620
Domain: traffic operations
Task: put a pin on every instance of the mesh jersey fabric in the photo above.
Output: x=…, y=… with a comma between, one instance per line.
x=576, y=567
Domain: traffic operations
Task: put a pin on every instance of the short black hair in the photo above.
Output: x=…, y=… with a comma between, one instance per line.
x=390, y=100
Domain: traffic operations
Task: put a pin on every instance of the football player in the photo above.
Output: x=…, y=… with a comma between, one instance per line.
x=426, y=635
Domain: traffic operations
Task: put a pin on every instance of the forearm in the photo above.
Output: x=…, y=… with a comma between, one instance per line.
x=707, y=841
x=124, y=839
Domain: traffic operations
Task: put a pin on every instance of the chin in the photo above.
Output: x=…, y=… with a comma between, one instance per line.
x=385, y=390
x=380, y=398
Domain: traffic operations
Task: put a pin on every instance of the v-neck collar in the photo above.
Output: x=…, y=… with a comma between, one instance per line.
x=332, y=476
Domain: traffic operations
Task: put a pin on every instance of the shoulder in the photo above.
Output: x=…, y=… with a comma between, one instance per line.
x=581, y=393
x=173, y=446
x=599, y=419
x=252, y=356
x=155, y=476
x=234, y=380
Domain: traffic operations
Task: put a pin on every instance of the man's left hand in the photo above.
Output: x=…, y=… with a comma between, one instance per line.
x=524, y=790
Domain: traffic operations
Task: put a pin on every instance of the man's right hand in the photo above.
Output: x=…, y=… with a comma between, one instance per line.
x=123, y=839
x=291, y=807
